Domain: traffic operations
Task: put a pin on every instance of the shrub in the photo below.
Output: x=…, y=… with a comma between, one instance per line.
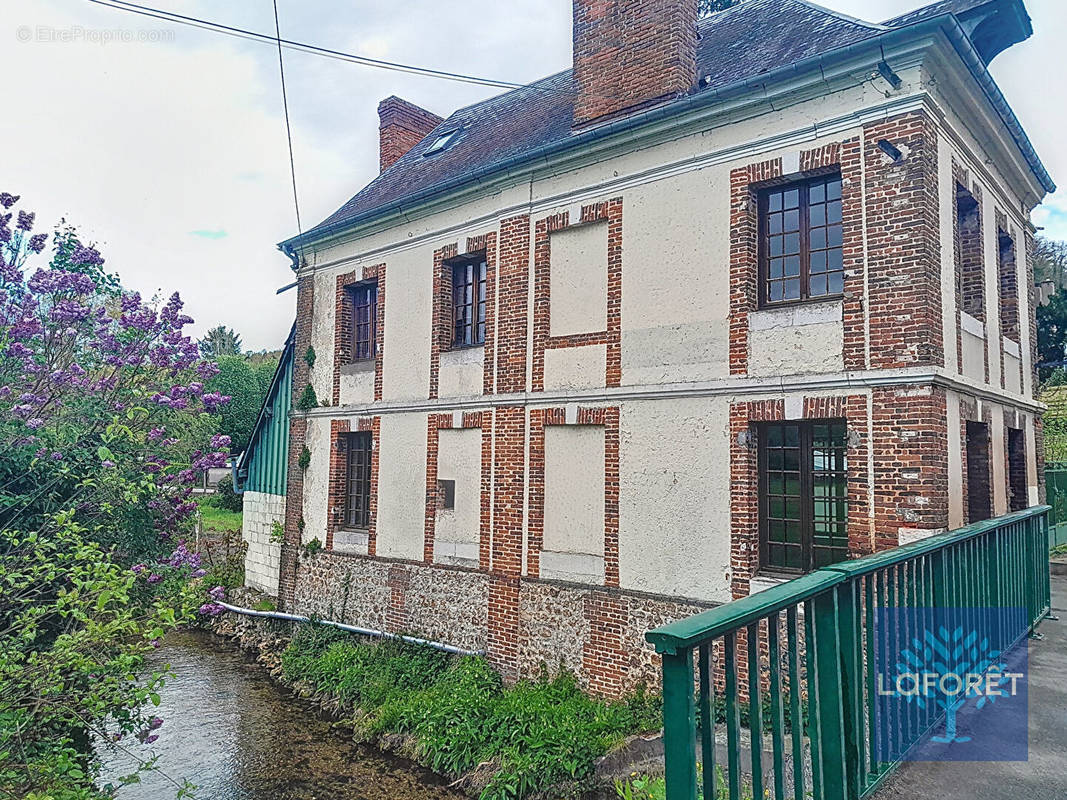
x=308, y=399
x=535, y=734
x=225, y=497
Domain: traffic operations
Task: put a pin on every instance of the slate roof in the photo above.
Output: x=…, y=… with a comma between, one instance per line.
x=735, y=45
x=933, y=10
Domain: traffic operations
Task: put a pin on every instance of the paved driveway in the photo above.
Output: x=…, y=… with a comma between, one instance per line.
x=1044, y=776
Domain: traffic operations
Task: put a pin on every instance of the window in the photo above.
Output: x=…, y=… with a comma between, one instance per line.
x=1009, y=286
x=364, y=321
x=468, y=302
x=803, y=495
x=441, y=142
x=969, y=264
x=800, y=240
x=978, y=485
x=357, y=490
x=1018, y=497
x=446, y=495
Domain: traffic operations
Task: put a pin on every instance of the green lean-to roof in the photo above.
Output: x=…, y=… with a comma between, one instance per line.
x=263, y=466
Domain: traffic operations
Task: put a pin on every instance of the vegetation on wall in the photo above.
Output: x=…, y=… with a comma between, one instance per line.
x=501, y=742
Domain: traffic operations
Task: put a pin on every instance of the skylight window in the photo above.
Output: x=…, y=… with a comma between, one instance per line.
x=441, y=142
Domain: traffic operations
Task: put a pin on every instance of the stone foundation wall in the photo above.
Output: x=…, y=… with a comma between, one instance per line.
x=595, y=632
x=263, y=556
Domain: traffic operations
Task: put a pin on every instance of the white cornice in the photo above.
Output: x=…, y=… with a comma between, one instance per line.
x=742, y=387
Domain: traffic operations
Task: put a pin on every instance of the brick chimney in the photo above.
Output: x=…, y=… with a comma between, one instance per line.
x=401, y=126
x=628, y=53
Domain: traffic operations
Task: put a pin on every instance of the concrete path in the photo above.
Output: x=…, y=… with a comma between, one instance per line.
x=1044, y=776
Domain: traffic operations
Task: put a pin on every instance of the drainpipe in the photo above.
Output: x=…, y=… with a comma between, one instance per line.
x=446, y=648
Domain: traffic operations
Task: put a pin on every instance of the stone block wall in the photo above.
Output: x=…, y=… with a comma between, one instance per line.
x=263, y=557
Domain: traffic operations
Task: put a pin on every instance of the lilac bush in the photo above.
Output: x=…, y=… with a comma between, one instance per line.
x=103, y=408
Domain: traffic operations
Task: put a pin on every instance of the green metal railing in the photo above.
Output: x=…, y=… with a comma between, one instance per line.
x=806, y=714
x=1056, y=493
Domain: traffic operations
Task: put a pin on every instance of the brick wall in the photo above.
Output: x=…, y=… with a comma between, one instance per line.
x=627, y=54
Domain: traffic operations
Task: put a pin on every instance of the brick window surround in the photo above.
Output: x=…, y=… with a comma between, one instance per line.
x=968, y=257
x=434, y=424
x=1008, y=282
x=745, y=419
x=746, y=185
x=608, y=418
x=338, y=484
x=443, y=311
x=343, y=325
x=611, y=212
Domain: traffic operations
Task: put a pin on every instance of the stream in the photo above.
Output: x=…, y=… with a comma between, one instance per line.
x=231, y=731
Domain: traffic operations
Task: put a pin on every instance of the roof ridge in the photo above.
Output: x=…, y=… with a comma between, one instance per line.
x=841, y=15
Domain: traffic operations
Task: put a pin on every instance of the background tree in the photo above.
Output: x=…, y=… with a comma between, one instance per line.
x=237, y=379
x=220, y=341
x=1050, y=261
x=1052, y=335
x=264, y=375
x=705, y=7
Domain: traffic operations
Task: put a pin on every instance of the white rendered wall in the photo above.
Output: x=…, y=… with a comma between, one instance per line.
x=401, y=522
x=459, y=458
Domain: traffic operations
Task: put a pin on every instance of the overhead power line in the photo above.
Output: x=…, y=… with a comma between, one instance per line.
x=288, y=129
x=305, y=47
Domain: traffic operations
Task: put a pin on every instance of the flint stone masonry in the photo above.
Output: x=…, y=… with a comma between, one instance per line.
x=263, y=557
x=557, y=624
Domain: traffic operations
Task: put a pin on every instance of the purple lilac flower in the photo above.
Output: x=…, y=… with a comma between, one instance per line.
x=155, y=578
x=200, y=573
x=218, y=593
x=37, y=242
x=7, y=200
x=25, y=222
x=155, y=723
x=211, y=609
x=34, y=423
x=138, y=568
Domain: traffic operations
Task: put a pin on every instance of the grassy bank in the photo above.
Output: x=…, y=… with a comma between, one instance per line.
x=459, y=719
x=214, y=518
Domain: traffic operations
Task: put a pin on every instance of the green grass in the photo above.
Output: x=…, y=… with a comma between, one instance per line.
x=215, y=518
x=533, y=735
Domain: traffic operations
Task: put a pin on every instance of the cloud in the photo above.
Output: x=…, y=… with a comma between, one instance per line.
x=203, y=234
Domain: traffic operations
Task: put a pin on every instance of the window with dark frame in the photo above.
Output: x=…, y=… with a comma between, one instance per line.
x=364, y=321
x=803, y=494
x=1009, y=285
x=468, y=302
x=800, y=240
x=357, y=475
x=446, y=495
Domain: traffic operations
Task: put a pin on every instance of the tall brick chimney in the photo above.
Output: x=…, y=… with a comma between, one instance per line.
x=401, y=126
x=628, y=53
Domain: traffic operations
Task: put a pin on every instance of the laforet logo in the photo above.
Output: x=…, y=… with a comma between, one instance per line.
x=959, y=674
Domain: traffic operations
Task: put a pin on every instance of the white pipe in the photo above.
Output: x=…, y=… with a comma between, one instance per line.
x=447, y=648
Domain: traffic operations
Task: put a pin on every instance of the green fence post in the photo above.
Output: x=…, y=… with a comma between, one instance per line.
x=679, y=726
x=831, y=611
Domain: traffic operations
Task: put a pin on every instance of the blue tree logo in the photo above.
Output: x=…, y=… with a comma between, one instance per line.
x=949, y=669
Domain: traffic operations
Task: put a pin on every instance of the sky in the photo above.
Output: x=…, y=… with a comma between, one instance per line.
x=166, y=144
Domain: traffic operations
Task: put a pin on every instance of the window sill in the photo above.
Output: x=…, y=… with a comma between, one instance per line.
x=357, y=367
x=351, y=540
x=805, y=312
x=803, y=301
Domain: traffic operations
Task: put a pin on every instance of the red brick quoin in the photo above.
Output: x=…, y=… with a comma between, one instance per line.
x=611, y=212
x=434, y=424
x=608, y=418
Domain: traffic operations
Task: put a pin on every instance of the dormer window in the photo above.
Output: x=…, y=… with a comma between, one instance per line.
x=441, y=142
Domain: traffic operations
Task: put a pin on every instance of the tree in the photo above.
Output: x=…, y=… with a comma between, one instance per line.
x=1050, y=261
x=105, y=427
x=238, y=380
x=706, y=7
x=1051, y=333
x=264, y=375
x=220, y=341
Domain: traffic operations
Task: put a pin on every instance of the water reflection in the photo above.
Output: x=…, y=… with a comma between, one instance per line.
x=237, y=736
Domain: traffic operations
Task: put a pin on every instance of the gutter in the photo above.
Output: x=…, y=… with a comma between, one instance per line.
x=444, y=648
x=945, y=22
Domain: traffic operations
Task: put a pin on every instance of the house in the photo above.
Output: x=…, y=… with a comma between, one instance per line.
x=730, y=299
x=260, y=474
